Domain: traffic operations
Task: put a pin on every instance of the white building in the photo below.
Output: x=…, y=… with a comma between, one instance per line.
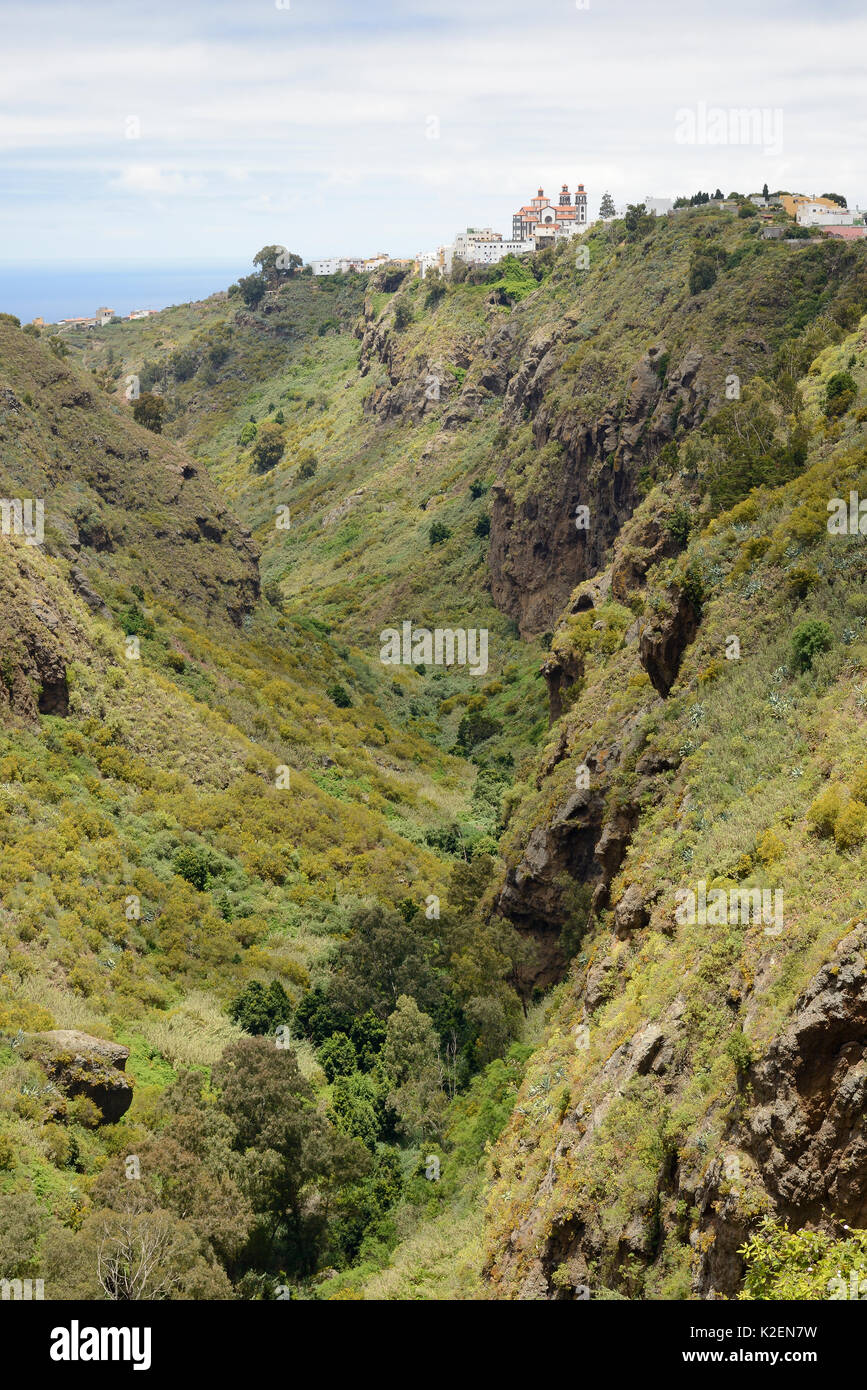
x=334, y=265
x=141, y=313
x=483, y=246
x=430, y=260
x=104, y=315
x=659, y=206
x=820, y=215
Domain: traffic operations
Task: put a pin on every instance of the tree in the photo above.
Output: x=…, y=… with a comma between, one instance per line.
x=337, y=1056
x=438, y=533
x=356, y=1107
x=638, y=221
x=840, y=392
x=368, y=1035
x=260, y=1010
x=149, y=410
x=269, y=447
x=486, y=958
x=836, y=198
x=702, y=271
x=317, y=1016
x=474, y=728
x=292, y=1157
x=385, y=957
x=272, y=258
x=808, y=640
x=192, y=864
x=193, y=1187
x=402, y=315
x=252, y=289
x=411, y=1061
x=183, y=364
x=765, y=193
x=606, y=207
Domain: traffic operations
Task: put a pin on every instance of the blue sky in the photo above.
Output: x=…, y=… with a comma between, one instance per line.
x=198, y=130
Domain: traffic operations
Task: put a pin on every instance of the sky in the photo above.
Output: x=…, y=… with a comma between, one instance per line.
x=196, y=131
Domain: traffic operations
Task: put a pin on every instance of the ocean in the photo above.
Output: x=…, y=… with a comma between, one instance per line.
x=56, y=292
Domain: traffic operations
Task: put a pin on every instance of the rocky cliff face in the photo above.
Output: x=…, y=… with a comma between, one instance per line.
x=806, y=1127
x=38, y=639
x=697, y=1073
x=542, y=547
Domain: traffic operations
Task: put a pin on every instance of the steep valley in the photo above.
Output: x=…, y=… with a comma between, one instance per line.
x=511, y=1061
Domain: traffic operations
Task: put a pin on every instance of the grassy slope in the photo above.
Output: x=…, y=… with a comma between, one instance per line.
x=368, y=567
x=151, y=758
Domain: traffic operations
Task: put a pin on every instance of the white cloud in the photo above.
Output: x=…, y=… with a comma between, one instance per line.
x=154, y=180
x=316, y=117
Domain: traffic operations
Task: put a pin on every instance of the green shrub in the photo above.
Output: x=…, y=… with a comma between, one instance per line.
x=678, y=525
x=851, y=825
x=702, y=271
x=839, y=394
x=135, y=623
x=337, y=1056
x=475, y=728
x=402, y=315
x=269, y=447
x=192, y=864
x=825, y=811
x=801, y=579
x=803, y=1265
x=740, y=1049
x=149, y=410
x=438, y=533
x=260, y=1010
x=808, y=640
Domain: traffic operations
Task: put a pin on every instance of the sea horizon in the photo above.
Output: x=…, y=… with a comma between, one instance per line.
x=34, y=289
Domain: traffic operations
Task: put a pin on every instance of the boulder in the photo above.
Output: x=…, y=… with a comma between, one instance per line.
x=82, y=1065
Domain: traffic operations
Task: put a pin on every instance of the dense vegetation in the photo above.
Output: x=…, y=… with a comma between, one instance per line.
x=269, y=865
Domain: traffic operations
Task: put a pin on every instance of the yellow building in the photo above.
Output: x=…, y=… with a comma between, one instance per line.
x=792, y=201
